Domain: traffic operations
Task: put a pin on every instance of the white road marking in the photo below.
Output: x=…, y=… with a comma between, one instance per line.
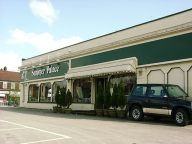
x=63, y=136
x=1, y=130
x=48, y=140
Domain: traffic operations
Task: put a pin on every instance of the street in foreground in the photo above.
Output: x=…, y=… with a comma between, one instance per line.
x=31, y=126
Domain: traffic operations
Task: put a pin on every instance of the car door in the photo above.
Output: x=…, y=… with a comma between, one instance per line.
x=158, y=101
x=139, y=96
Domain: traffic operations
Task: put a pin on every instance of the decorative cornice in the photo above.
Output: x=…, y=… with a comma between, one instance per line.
x=134, y=40
x=151, y=36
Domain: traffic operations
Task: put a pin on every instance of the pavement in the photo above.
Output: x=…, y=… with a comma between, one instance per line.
x=34, y=126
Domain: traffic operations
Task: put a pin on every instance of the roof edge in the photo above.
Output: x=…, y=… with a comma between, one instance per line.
x=111, y=33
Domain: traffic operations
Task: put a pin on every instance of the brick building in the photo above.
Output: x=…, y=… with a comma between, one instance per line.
x=9, y=85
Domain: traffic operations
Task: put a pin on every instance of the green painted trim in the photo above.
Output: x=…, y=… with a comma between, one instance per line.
x=48, y=71
x=173, y=48
x=174, y=14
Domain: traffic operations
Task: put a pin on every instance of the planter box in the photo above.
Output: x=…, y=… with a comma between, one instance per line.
x=105, y=112
x=57, y=109
x=121, y=113
x=99, y=112
x=112, y=113
x=67, y=110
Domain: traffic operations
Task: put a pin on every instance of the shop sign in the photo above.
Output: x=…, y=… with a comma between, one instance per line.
x=47, y=70
x=53, y=70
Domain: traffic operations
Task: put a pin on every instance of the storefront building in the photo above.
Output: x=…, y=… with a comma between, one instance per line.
x=159, y=51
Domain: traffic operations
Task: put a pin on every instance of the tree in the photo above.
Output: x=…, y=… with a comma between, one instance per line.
x=100, y=97
x=63, y=97
x=5, y=68
x=107, y=98
x=114, y=97
x=121, y=97
x=58, y=96
x=68, y=98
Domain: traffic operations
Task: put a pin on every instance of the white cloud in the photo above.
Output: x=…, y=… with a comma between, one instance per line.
x=44, y=42
x=11, y=60
x=43, y=9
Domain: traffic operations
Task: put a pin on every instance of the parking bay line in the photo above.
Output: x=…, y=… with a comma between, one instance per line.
x=2, y=130
x=28, y=127
x=48, y=140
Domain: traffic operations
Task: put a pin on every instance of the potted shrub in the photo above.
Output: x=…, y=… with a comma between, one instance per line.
x=68, y=102
x=58, y=107
x=63, y=99
x=112, y=112
x=121, y=101
x=99, y=100
x=107, y=100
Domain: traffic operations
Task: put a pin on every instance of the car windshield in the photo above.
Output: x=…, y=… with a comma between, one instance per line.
x=175, y=91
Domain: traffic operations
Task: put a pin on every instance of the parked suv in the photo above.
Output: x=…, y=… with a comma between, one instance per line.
x=159, y=100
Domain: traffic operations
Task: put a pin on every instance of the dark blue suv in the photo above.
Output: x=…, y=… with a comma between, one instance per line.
x=157, y=100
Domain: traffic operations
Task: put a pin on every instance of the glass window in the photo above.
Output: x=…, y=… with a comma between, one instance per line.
x=156, y=91
x=9, y=86
x=1, y=85
x=45, y=92
x=61, y=84
x=17, y=86
x=82, y=91
x=175, y=91
x=140, y=91
x=128, y=81
x=33, y=93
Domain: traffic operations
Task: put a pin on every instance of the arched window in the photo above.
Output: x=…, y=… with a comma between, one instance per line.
x=45, y=92
x=33, y=93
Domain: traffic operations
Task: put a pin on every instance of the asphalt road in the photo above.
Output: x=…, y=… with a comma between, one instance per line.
x=31, y=126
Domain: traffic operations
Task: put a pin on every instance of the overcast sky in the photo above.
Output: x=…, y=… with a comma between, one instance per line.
x=32, y=27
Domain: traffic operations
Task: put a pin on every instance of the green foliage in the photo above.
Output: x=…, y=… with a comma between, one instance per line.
x=13, y=100
x=58, y=97
x=114, y=97
x=100, y=96
x=63, y=97
x=107, y=98
x=68, y=98
x=121, y=97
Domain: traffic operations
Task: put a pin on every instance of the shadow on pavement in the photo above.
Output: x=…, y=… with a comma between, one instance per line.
x=49, y=113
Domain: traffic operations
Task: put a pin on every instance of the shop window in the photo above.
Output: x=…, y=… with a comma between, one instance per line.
x=59, y=84
x=33, y=93
x=1, y=85
x=128, y=81
x=82, y=91
x=45, y=92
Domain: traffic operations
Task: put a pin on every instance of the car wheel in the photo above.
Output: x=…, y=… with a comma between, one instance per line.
x=181, y=117
x=136, y=113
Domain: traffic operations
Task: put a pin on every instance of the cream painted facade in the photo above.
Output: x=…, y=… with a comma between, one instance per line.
x=175, y=71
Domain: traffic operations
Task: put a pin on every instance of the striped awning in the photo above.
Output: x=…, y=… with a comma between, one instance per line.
x=106, y=68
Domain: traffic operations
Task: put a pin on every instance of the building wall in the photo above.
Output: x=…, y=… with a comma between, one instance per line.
x=169, y=26
x=173, y=48
x=175, y=72
x=162, y=48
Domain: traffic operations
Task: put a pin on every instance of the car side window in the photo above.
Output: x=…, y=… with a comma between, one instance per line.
x=140, y=91
x=156, y=91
